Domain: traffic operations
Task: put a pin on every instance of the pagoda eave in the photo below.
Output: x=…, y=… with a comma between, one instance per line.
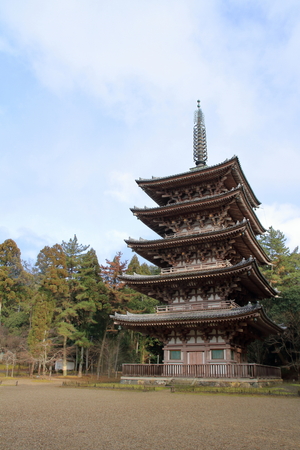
x=247, y=271
x=235, y=200
x=245, y=243
x=231, y=168
x=253, y=315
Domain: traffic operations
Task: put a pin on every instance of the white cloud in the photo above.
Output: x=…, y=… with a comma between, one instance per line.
x=283, y=217
x=134, y=71
x=122, y=186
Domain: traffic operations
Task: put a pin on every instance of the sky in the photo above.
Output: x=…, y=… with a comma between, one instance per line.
x=97, y=93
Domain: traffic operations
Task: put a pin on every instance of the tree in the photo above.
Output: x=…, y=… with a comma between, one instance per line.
x=284, y=274
x=91, y=295
x=111, y=272
x=134, y=266
x=73, y=251
x=273, y=242
x=51, y=262
x=39, y=341
x=14, y=282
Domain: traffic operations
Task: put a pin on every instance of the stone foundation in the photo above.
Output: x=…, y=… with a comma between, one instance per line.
x=234, y=383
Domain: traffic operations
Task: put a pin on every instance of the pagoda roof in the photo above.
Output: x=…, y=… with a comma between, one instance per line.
x=197, y=175
x=247, y=270
x=254, y=312
x=245, y=242
x=240, y=208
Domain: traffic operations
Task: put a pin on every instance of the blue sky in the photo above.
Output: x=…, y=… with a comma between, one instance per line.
x=95, y=94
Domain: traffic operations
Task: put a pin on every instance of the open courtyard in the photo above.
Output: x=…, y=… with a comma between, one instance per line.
x=45, y=416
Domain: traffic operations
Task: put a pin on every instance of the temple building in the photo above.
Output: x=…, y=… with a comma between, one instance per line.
x=210, y=285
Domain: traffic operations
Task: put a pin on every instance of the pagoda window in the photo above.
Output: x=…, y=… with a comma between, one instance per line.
x=232, y=354
x=175, y=355
x=217, y=354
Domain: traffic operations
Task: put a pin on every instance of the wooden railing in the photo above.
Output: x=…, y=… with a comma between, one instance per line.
x=221, y=304
x=191, y=267
x=213, y=370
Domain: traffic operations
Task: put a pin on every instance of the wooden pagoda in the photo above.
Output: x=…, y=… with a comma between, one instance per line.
x=210, y=284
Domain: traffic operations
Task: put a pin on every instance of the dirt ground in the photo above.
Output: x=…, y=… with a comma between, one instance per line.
x=44, y=416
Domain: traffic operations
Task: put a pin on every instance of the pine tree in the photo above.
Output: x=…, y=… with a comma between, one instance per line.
x=39, y=341
x=134, y=266
x=273, y=242
x=51, y=262
x=91, y=296
x=73, y=251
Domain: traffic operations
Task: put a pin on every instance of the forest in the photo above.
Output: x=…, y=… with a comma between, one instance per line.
x=59, y=310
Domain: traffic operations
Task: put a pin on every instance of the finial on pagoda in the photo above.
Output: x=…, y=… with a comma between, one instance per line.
x=200, y=146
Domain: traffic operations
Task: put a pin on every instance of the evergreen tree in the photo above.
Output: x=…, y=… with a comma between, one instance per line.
x=284, y=274
x=51, y=262
x=14, y=286
x=39, y=341
x=91, y=296
x=273, y=242
x=73, y=251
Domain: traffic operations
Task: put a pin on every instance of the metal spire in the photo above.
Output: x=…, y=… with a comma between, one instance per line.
x=200, y=146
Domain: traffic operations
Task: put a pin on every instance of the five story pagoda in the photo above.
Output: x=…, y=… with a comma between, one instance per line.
x=210, y=284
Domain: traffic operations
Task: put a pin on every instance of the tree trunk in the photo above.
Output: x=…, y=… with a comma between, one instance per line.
x=65, y=367
x=117, y=352
x=31, y=369
x=101, y=354
x=86, y=360
x=76, y=359
x=80, y=362
x=44, y=361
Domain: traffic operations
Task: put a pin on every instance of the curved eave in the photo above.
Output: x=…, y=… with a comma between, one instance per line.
x=198, y=175
x=241, y=231
x=254, y=313
x=240, y=207
x=248, y=271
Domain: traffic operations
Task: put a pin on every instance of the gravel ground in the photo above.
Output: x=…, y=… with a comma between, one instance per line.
x=46, y=416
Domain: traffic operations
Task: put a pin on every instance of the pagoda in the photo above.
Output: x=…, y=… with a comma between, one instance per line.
x=210, y=285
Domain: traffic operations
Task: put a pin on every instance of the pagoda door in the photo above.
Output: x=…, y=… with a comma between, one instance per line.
x=195, y=362
x=195, y=357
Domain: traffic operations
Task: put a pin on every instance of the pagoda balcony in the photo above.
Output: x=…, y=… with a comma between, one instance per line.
x=210, y=370
x=221, y=304
x=196, y=267
x=193, y=231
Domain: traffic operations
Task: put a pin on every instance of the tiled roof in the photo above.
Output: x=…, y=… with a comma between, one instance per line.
x=241, y=230
x=188, y=315
x=236, y=197
x=197, y=173
x=253, y=312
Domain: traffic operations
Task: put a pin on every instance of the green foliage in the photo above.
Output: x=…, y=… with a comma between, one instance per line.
x=284, y=274
x=67, y=298
x=73, y=251
x=14, y=287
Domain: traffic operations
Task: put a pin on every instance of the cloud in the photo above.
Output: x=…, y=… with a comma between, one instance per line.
x=122, y=186
x=283, y=217
x=107, y=95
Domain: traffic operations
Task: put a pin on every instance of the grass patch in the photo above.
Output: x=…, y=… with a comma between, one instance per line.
x=111, y=386
x=286, y=389
x=277, y=390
